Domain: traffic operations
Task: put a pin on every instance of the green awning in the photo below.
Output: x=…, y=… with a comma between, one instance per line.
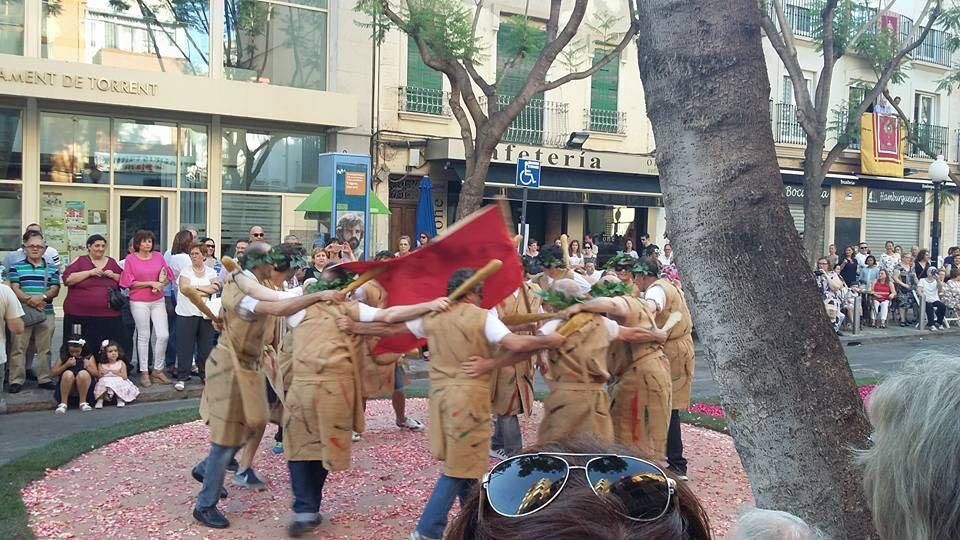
x=321, y=200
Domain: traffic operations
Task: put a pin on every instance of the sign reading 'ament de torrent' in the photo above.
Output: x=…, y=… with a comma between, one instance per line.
x=894, y=199
x=79, y=82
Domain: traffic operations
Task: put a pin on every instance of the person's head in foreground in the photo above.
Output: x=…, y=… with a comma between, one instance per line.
x=580, y=488
x=459, y=277
x=759, y=524
x=912, y=471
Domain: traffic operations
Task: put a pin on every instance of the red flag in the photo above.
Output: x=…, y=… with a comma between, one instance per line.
x=422, y=275
x=886, y=129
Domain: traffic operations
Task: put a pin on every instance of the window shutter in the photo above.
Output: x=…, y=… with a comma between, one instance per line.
x=420, y=75
x=603, y=84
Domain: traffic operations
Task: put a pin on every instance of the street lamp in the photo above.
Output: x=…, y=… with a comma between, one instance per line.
x=939, y=173
x=576, y=140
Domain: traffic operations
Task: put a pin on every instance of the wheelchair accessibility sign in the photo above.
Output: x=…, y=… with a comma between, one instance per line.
x=528, y=173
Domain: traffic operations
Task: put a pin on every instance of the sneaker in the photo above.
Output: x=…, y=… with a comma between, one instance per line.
x=679, y=473
x=61, y=409
x=296, y=529
x=417, y=536
x=277, y=447
x=178, y=386
x=248, y=478
x=355, y=437
x=85, y=407
x=211, y=517
x=412, y=424
x=498, y=454
x=99, y=404
x=121, y=403
x=933, y=328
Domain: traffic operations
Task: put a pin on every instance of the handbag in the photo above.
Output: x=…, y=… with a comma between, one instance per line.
x=31, y=315
x=116, y=299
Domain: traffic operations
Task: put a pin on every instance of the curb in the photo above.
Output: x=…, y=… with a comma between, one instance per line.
x=190, y=392
x=918, y=336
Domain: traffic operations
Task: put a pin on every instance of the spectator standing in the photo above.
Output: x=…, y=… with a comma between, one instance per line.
x=576, y=255
x=862, y=253
x=905, y=282
x=951, y=290
x=36, y=283
x=291, y=239
x=256, y=234
x=930, y=287
x=533, y=248
x=950, y=259
x=914, y=251
x=318, y=259
x=112, y=381
x=239, y=248
x=210, y=254
x=868, y=274
x=590, y=272
x=882, y=292
x=423, y=239
x=403, y=246
x=90, y=281
x=898, y=249
x=644, y=240
x=628, y=248
x=194, y=330
x=51, y=255
x=76, y=371
x=13, y=316
x=832, y=258
x=848, y=268
x=590, y=248
x=923, y=263
x=145, y=273
x=889, y=259
x=177, y=259
x=666, y=259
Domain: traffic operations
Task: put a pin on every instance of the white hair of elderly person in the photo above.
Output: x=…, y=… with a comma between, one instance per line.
x=760, y=524
x=912, y=470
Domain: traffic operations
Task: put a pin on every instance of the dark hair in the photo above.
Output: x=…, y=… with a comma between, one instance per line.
x=65, y=347
x=182, y=242
x=645, y=235
x=954, y=273
x=923, y=254
x=865, y=261
x=579, y=513
x=383, y=254
x=31, y=234
x=532, y=241
x=241, y=241
x=142, y=235
x=196, y=245
x=458, y=277
x=650, y=250
x=102, y=357
x=94, y=238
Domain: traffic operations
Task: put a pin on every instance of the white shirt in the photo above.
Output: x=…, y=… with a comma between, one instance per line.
x=582, y=283
x=575, y=260
x=493, y=328
x=657, y=295
x=185, y=307
x=249, y=304
x=665, y=261
x=11, y=309
x=550, y=327
x=861, y=258
x=928, y=288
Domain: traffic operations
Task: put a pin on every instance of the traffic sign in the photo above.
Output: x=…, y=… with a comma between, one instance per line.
x=528, y=173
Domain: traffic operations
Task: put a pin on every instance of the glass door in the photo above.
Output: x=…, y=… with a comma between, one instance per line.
x=144, y=210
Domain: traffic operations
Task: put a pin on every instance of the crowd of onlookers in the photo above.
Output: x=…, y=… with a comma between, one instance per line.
x=587, y=257
x=888, y=288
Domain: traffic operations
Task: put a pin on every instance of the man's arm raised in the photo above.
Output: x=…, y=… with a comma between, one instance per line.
x=283, y=308
x=399, y=314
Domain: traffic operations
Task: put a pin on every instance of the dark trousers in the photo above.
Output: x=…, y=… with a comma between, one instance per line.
x=170, y=355
x=935, y=313
x=193, y=333
x=675, y=444
x=307, y=479
x=94, y=330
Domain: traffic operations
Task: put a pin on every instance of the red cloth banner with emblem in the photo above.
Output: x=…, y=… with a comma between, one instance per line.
x=422, y=275
x=886, y=130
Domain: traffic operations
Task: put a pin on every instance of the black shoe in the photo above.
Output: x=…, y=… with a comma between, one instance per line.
x=15, y=388
x=680, y=473
x=211, y=517
x=297, y=528
x=233, y=466
x=198, y=476
x=839, y=333
x=49, y=385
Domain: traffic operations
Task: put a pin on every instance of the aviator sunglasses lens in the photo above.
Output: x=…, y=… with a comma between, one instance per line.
x=642, y=488
x=524, y=484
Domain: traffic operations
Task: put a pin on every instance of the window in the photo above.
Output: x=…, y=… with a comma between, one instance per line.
x=11, y=204
x=11, y=145
x=11, y=27
x=925, y=109
x=154, y=35
x=603, y=95
x=144, y=153
x=74, y=149
x=527, y=128
x=242, y=211
x=282, y=43
x=193, y=157
x=270, y=161
x=424, y=90
x=193, y=211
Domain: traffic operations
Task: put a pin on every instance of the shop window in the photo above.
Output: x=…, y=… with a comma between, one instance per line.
x=241, y=211
x=152, y=35
x=11, y=145
x=74, y=149
x=193, y=211
x=270, y=161
x=145, y=153
x=11, y=203
x=193, y=157
x=11, y=27
x=281, y=43
x=69, y=215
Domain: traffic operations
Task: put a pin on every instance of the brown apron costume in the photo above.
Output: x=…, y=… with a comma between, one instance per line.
x=576, y=375
x=234, y=401
x=323, y=405
x=512, y=388
x=378, y=370
x=679, y=345
x=459, y=405
x=640, y=404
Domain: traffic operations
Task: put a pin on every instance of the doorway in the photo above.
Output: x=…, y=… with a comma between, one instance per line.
x=846, y=233
x=150, y=211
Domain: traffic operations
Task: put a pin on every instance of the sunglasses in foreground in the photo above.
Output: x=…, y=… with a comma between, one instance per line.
x=522, y=485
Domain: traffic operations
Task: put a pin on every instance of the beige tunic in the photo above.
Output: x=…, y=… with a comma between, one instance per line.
x=640, y=404
x=576, y=374
x=234, y=401
x=459, y=405
x=679, y=345
x=323, y=405
x=512, y=389
x=378, y=370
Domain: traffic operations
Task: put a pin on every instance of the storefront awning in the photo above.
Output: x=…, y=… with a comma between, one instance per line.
x=321, y=200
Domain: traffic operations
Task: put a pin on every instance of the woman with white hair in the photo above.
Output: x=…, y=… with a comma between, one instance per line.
x=760, y=524
x=911, y=473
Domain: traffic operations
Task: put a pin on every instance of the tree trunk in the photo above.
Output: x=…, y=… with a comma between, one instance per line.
x=813, y=212
x=786, y=386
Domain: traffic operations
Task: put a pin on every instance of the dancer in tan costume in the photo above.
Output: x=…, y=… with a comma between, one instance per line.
x=555, y=267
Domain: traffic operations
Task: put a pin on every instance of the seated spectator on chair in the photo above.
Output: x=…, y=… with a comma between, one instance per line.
x=882, y=291
x=930, y=287
x=905, y=282
x=759, y=524
x=910, y=469
x=603, y=498
x=76, y=370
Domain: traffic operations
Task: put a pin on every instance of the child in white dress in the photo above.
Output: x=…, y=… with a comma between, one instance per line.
x=113, y=381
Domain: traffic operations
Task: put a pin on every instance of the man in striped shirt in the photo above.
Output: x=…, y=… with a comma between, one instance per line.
x=36, y=283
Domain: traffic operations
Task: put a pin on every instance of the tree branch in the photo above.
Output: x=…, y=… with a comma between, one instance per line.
x=786, y=49
x=610, y=56
x=466, y=135
x=488, y=89
x=871, y=23
x=822, y=92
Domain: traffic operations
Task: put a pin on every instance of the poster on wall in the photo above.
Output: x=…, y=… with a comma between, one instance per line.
x=351, y=201
x=52, y=220
x=96, y=222
x=75, y=223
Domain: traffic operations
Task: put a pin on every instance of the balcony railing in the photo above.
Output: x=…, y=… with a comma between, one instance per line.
x=424, y=100
x=929, y=137
x=540, y=123
x=841, y=120
x=786, y=128
x=605, y=121
x=934, y=49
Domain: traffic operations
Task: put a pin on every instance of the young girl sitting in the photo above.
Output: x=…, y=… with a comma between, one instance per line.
x=113, y=382
x=76, y=369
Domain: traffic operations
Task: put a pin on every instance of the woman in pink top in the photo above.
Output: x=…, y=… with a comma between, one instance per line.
x=145, y=273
